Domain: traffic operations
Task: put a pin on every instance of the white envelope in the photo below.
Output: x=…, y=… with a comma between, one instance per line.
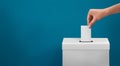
x=85, y=33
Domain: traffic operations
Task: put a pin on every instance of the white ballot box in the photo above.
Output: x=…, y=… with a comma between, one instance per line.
x=77, y=53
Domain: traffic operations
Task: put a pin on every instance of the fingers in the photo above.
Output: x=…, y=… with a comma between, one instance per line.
x=89, y=16
x=89, y=20
x=91, y=23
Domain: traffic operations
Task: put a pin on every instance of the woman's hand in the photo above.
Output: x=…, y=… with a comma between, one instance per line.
x=95, y=15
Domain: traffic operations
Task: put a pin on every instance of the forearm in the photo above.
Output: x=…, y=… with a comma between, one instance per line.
x=113, y=9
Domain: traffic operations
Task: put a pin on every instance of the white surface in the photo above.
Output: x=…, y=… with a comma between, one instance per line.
x=74, y=43
x=77, y=53
x=85, y=58
x=85, y=33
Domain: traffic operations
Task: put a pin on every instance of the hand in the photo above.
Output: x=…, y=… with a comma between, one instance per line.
x=95, y=15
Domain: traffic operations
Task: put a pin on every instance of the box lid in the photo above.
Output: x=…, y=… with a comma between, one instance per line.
x=74, y=43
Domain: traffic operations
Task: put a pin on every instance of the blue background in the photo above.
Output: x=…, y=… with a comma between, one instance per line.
x=31, y=31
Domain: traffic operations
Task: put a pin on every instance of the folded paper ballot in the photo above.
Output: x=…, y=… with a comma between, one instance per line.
x=85, y=34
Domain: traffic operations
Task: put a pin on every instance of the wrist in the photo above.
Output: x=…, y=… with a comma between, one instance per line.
x=107, y=11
